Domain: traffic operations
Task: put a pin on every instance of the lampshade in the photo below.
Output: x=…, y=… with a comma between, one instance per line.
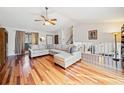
x=116, y=33
x=122, y=33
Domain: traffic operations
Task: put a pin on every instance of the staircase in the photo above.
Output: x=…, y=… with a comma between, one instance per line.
x=70, y=40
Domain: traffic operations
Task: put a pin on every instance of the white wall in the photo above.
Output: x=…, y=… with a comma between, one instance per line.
x=104, y=31
x=80, y=33
x=11, y=37
x=64, y=34
x=11, y=41
x=105, y=37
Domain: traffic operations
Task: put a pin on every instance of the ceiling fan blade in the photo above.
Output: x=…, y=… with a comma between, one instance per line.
x=38, y=20
x=51, y=22
x=44, y=18
x=53, y=19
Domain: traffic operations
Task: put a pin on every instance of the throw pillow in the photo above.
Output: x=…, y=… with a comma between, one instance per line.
x=73, y=49
x=69, y=48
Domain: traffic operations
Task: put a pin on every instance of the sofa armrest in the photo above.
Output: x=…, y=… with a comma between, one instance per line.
x=30, y=50
x=77, y=54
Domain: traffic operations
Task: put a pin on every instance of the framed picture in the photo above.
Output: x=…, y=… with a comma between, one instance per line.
x=92, y=34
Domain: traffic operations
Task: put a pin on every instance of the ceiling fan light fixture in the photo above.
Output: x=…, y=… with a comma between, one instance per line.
x=47, y=23
x=46, y=20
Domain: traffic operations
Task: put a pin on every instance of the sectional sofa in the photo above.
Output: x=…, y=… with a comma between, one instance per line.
x=64, y=55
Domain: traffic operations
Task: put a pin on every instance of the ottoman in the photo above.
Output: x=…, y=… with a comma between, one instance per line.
x=65, y=59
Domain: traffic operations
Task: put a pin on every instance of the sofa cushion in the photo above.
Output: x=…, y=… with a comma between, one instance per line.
x=39, y=51
x=35, y=51
x=64, y=47
x=35, y=47
x=58, y=46
x=50, y=46
x=42, y=47
x=63, y=56
x=55, y=50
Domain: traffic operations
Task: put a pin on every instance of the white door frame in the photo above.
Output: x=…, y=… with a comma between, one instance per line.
x=47, y=39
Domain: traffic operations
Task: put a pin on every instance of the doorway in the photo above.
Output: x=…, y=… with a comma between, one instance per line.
x=49, y=41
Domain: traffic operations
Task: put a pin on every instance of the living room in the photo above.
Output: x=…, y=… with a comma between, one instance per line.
x=47, y=45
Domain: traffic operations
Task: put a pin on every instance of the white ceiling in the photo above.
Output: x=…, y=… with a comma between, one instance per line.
x=24, y=17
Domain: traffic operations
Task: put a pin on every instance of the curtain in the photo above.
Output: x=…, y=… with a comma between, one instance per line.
x=19, y=42
x=35, y=38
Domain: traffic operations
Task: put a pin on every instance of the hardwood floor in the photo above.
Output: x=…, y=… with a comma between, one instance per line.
x=42, y=70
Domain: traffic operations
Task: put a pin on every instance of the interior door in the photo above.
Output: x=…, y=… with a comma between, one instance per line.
x=49, y=39
x=56, y=39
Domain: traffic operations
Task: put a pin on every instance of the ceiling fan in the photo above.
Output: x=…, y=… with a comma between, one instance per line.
x=46, y=20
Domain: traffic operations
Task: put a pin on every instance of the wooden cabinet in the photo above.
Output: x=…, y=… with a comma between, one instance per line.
x=3, y=46
x=122, y=45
